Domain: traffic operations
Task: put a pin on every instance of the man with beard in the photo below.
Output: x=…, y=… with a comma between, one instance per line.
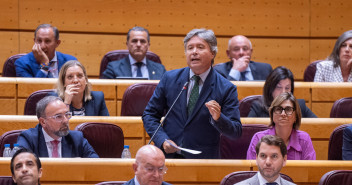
x=52, y=137
x=135, y=64
x=271, y=157
x=26, y=168
x=44, y=61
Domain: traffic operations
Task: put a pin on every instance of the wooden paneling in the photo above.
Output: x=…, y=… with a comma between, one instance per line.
x=329, y=18
x=322, y=110
x=9, y=14
x=9, y=43
x=320, y=49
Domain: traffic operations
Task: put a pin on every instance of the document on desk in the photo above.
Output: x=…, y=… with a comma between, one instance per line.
x=184, y=149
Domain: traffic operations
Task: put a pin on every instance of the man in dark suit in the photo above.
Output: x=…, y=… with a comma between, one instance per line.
x=44, y=61
x=52, y=137
x=26, y=168
x=149, y=167
x=241, y=68
x=135, y=64
x=208, y=108
x=271, y=157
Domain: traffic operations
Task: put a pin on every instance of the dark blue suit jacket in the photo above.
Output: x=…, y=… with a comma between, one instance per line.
x=195, y=131
x=347, y=143
x=73, y=145
x=259, y=70
x=27, y=66
x=122, y=68
x=131, y=182
x=94, y=107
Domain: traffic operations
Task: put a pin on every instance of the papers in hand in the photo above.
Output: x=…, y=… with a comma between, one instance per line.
x=184, y=149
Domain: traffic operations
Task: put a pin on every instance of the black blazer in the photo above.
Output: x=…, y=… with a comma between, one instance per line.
x=259, y=70
x=258, y=110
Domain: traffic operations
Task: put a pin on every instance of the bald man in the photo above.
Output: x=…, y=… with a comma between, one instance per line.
x=240, y=67
x=149, y=167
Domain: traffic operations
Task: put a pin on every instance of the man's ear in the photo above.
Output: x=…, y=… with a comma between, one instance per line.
x=228, y=54
x=58, y=42
x=40, y=173
x=13, y=178
x=42, y=121
x=135, y=167
x=284, y=162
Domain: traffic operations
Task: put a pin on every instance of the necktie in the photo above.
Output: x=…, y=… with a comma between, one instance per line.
x=194, y=94
x=55, y=144
x=243, y=76
x=139, y=71
x=271, y=183
x=50, y=74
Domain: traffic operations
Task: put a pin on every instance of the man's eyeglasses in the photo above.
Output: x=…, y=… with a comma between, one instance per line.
x=60, y=117
x=288, y=110
x=152, y=169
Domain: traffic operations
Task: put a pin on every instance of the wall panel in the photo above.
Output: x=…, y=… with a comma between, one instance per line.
x=9, y=14
x=9, y=45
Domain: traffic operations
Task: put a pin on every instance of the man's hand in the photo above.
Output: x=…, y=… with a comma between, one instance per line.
x=39, y=54
x=214, y=109
x=168, y=148
x=70, y=91
x=240, y=64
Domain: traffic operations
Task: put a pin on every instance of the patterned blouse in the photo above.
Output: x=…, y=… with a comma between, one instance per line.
x=326, y=72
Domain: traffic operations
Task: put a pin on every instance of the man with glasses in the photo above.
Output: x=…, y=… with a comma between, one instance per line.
x=149, y=167
x=240, y=67
x=52, y=137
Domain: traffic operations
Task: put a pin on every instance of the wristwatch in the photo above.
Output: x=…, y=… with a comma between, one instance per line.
x=44, y=67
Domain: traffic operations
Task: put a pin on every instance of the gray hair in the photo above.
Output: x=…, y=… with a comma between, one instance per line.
x=250, y=43
x=335, y=54
x=55, y=30
x=207, y=35
x=43, y=103
x=138, y=28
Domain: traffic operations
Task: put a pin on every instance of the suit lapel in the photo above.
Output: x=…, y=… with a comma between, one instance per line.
x=42, y=148
x=183, y=98
x=66, y=148
x=253, y=70
x=89, y=106
x=204, y=94
x=151, y=70
x=125, y=67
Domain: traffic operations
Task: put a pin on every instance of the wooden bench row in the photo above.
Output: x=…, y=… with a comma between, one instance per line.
x=72, y=171
x=319, y=129
x=14, y=92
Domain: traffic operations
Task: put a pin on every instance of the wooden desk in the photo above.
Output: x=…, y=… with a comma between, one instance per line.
x=180, y=171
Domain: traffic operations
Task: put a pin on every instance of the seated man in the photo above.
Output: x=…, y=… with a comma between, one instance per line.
x=241, y=68
x=26, y=167
x=43, y=61
x=135, y=64
x=52, y=137
x=149, y=167
x=271, y=157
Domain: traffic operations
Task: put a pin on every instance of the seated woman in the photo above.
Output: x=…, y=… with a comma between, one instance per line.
x=285, y=120
x=279, y=80
x=347, y=143
x=75, y=90
x=338, y=66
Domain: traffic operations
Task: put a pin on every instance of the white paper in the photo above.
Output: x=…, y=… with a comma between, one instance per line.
x=184, y=149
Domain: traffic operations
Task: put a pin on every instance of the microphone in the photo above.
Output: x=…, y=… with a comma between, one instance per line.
x=162, y=123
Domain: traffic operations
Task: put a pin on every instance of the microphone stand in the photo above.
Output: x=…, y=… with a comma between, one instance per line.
x=162, y=123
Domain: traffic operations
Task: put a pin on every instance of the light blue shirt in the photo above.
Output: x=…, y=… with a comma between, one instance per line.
x=134, y=67
x=235, y=74
x=49, y=146
x=53, y=68
x=263, y=181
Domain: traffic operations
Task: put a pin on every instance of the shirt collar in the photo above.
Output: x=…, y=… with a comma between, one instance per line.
x=136, y=181
x=48, y=138
x=133, y=61
x=293, y=142
x=202, y=76
x=248, y=69
x=263, y=181
x=55, y=58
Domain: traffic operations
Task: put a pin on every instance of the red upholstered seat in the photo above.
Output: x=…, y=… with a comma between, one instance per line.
x=136, y=98
x=336, y=177
x=309, y=73
x=9, y=69
x=9, y=137
x=32, y=100
x=107, y=139
x=239, y=176
x=246, y=103
x=335, y=143
x=342, y=108
x=120, y=54
x=237, y=148
x=6, y=180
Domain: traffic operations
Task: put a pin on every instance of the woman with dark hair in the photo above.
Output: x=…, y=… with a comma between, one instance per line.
x=280, y=80
x=285, y=120
x=338, y=66
x=75, y=90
